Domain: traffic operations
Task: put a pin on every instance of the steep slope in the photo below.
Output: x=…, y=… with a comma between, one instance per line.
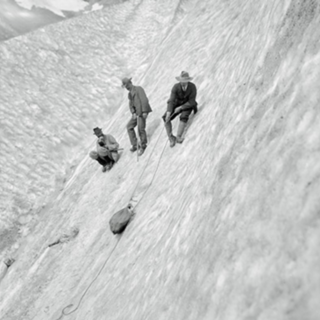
x=57, y=84
x=227, y=224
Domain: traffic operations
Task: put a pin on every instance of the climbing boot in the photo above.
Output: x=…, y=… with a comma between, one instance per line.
x=109, y=165
x=182, y=126
x=179, y=140
x=141, y=150
x=172, y=140
x=133, y=148
x=104, y=168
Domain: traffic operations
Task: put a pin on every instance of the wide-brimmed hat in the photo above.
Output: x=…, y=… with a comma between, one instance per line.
x=184, y=77
x=97, y=130
x=125, y=81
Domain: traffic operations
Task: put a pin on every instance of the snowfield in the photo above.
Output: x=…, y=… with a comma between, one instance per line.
x=226, y=224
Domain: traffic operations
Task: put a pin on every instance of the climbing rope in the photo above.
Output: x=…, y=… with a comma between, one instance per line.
x=153, y=176
x=64, y=313
x=64, y=310
x=144, y=169
x=134, y=190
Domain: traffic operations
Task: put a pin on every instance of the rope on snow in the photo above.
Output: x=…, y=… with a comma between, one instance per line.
x=64, y=311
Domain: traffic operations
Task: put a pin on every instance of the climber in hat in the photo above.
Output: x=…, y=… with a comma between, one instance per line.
x=107, y=149
x=182, y=102
x=140, y=108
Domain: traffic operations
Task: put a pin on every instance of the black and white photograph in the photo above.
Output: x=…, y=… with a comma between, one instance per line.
x=159, y=160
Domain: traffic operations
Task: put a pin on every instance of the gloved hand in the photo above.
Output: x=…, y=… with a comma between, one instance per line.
x=168, y=116
x=145, y=115
x=134, y=116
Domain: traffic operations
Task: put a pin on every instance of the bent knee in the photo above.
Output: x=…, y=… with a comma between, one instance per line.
x=115, y=156
x=94, y=155
x=184, y=119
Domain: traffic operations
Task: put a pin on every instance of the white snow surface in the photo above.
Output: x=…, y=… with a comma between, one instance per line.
x=226, y=224
x=96, y=6
x=56, y=6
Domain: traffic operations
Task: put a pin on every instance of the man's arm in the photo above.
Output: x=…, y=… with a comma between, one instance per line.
x=130, y=104
x=112, y=143
x=172, y=99
x=143, y=99
x=191, y=103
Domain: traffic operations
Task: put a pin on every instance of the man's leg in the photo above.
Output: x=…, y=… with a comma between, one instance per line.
x=184, y=117
x=132, y=135
x=106, y=163
x=172, y=138
x=115, y=156
x=168, y=126
x=142, y=122
x=102, y=161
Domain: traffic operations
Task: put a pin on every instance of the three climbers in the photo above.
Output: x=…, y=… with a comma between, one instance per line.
x=182, y=102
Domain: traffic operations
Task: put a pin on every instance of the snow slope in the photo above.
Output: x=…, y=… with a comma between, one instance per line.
x=226, y=224
x=16, y=20
x=57, y=6
x=19, y=17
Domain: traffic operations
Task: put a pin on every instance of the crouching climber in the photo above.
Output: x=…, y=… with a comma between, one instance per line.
x=182, y=102
x=107, y=150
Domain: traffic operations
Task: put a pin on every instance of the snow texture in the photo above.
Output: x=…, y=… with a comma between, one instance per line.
x=226, y=224
x=56, y=6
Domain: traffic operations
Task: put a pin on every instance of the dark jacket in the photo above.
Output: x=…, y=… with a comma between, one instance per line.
x=138, y=101
x=186, y=99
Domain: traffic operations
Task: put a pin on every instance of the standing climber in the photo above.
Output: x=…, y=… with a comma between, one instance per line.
x=182, y=101
x=139, y=107
x=107, y=150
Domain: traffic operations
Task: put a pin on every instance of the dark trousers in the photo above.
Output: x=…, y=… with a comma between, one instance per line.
x=184, y=114
x=104, y=160
x=141, y=123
